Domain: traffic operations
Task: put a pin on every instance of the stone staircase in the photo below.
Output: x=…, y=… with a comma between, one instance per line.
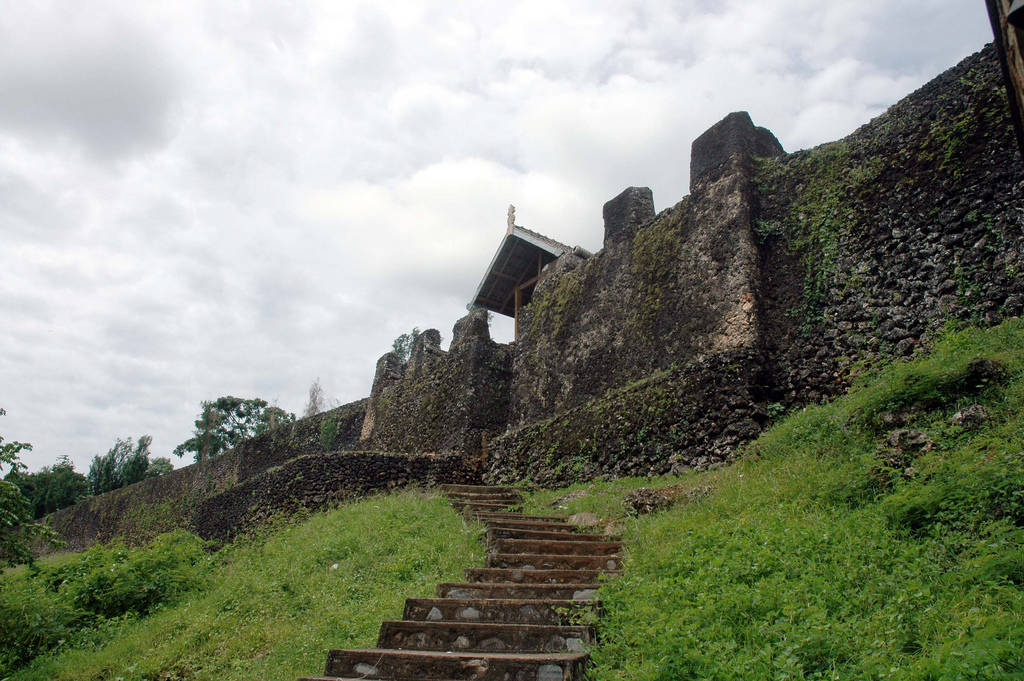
x=517, y=619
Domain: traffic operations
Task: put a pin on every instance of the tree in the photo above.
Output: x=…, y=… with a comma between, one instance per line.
x=226, y=421
x=17, y=532
x=52, y=488
x=161, y=465
x=315, y=404
x=402, y=346
x=124, y=464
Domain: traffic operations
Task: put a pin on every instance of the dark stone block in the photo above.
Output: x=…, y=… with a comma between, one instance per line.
x=733, y=138
x=390, y=368
x=426, y=348
x=626, y=212
x=473, y=328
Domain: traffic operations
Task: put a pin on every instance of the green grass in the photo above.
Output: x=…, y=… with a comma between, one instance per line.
x=809, y=560
x=270, y=607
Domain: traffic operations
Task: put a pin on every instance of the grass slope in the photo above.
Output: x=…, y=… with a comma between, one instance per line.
x=271, y=607
x=822, y=555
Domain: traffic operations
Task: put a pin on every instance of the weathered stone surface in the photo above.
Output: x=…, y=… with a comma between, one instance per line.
x=971, y=418
x=470, y=330
x=441, y=401
x=318, y=481
x=733, y=140
x=872, y=244
x=512, y=611
x=685, y=285
x=426, y=349
x=644, y=500
x=140, y=511
x=624, y=214
x=909, y=440
x=647, y=428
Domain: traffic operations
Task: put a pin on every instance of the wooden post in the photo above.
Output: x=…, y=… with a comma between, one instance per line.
x=519, y=302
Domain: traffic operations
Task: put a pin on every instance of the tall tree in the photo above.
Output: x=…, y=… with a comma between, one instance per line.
x=124, y=464
x=316, y=401
x=17, y=532
x=52, y=487
x=161, y=465
x=226, y=421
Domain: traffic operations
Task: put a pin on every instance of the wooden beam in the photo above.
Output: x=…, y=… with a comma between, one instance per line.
x=528, y=282
x=490, y=301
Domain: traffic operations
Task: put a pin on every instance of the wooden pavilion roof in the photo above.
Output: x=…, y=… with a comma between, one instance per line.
x=517, y=265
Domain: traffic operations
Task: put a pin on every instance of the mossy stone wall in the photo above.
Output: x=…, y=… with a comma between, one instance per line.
x=143, y=510
x=873, y=244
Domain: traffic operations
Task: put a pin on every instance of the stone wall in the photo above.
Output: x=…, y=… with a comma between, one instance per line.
x=330, y=431
x=141, y=511
x=316, y=482
x=684, y=417
x=808, y=266
x=441, y=401
x=680, y=285
x=872, y=244
x=145, y=509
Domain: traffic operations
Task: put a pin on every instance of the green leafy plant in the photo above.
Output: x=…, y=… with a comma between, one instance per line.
x=328, y=433
x=125, y=463
x=402, y=345
x=17, y=532
x=225, y=422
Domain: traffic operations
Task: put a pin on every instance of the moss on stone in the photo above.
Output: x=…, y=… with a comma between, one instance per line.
x=656, y=250
x=824, y=186
x=555, y=305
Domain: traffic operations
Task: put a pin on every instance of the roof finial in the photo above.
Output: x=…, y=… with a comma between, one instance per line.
x=511, y=218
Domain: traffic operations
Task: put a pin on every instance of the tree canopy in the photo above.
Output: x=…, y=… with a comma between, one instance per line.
x=124, y=464
x=52, y=487
x=226, y=421
x=17, y=532
x=402, y=346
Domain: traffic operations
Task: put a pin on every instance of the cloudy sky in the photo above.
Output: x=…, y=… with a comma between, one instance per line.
x=202, y=198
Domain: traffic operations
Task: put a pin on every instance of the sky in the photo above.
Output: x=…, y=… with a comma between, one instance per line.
x=206, y=198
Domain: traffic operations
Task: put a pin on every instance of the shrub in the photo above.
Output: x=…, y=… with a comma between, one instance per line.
x=113, y=580
x=33, y=619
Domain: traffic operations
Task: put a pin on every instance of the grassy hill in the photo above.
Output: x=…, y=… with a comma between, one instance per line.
x=868, y=538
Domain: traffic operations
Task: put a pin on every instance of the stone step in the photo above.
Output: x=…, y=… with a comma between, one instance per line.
x=483, y=506
x=478, y=489
x=503, y=610
x=484, y=637
x=521, y=576
x=494, y=533
x=527, y=524
x=549, y=561
x=385, y=663
x=489, y=504
x=505, y=516
x=572, y=591
x=485, y=496
x=565, y=547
